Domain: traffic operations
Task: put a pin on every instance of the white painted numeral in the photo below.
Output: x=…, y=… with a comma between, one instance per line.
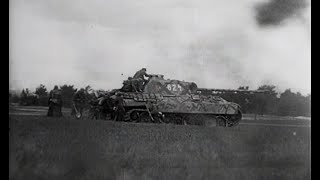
x=174, y=87
x=169, y=87
x=179, y=87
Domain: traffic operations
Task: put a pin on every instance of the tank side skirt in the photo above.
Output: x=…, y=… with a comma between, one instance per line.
x=188, y=118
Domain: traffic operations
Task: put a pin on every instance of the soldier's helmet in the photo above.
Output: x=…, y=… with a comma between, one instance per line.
x=144, y=69
x=55, y=87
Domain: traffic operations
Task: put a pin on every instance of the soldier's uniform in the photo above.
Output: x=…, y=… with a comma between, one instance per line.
x=128, y=85
x=79, y=100
x=119, y=107
x=94, y=108
x=102, y=106
x=138, y=79
x=55, y=103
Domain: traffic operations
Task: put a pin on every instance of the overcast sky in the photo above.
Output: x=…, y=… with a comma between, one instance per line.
x=217, y=44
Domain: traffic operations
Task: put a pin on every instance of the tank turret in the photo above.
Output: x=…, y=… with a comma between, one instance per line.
x=157, y=84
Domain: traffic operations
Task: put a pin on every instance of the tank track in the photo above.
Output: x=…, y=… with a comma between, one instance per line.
x=142, y=115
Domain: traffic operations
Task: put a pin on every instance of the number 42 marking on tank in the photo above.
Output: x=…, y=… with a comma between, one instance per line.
x=174, y=87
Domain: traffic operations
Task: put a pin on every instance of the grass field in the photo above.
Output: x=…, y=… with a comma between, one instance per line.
x=63, y=148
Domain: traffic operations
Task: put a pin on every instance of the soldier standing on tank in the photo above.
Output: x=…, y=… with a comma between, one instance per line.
x=139, y=77
x=119, y=107
x=55, y=103
x=128, y=85
x=79, y=101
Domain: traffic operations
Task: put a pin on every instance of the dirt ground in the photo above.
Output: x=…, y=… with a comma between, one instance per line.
x=64, y=148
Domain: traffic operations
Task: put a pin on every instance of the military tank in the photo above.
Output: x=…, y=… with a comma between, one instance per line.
x=179, y=102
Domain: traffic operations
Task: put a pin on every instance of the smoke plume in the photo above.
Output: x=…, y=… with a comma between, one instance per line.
x=276, y=12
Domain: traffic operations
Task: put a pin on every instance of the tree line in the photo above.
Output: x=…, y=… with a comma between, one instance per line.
x=40, y=96
x=286, y=103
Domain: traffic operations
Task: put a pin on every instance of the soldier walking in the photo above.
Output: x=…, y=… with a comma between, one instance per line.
x=79, y=102
x=55, y=103
x=119, y=107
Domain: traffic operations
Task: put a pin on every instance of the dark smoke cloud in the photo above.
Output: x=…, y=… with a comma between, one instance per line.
x=276, y=12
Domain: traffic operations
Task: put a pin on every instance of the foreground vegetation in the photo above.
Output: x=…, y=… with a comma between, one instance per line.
x=47, y=148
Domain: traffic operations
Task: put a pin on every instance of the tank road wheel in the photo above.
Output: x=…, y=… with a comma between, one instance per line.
x=209, y=121
x=221, y=121
x=132, y=115
x=235, y=119
x=166, y=118
x=178, y=119
x=145, y=117
x=158, y=117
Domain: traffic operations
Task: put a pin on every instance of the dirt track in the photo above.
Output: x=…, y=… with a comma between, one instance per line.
x=51, y=148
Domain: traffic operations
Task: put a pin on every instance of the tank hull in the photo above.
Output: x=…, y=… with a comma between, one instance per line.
x=162, y=100
x=182, y=103
x=188, y=108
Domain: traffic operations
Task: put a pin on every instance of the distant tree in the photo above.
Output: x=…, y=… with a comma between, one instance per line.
x=294, y=104
x=241, y=98
x=270, y=88
x=13, y=97
x=67, y=92
x=287, y=104
x=265, y=103
x=23, y=97
x=27, y=98
x=243, y=88
x=23, y=93
x=308, y=105
x=41, y=90
x=43, y=94
x=269, y=101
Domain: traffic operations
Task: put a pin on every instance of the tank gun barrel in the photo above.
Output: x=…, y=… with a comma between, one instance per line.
x=235, y=91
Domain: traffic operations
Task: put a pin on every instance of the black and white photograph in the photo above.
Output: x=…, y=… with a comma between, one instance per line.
x=159, y=89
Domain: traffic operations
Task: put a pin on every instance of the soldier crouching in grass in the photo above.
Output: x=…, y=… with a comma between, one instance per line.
x=79, y=102
x=55, y=103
